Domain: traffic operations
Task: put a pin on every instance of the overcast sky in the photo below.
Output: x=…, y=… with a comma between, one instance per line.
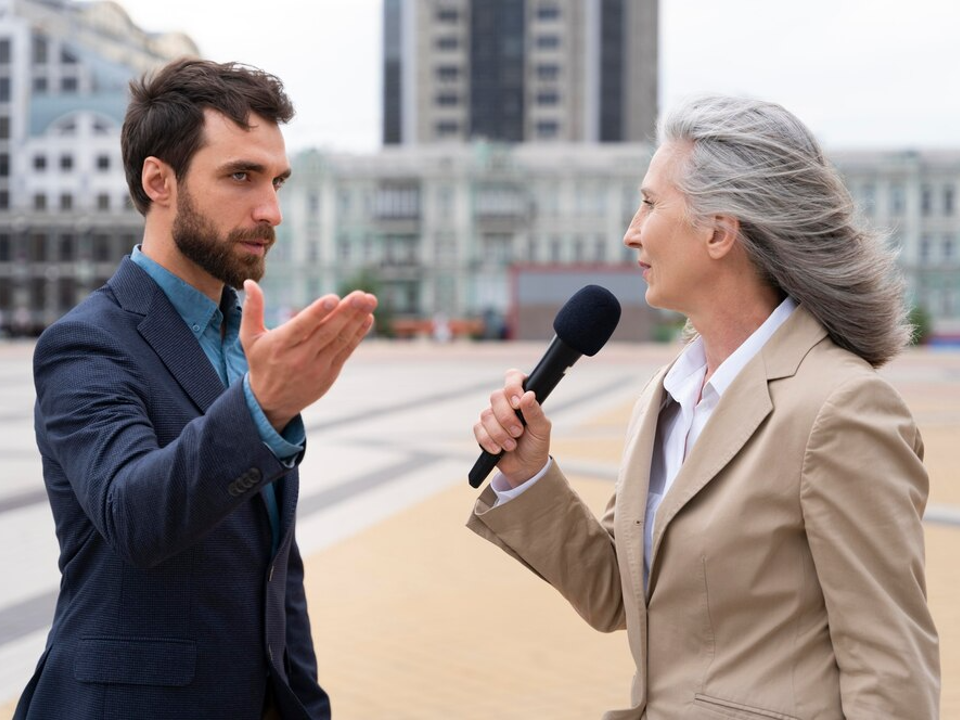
x=860, y=73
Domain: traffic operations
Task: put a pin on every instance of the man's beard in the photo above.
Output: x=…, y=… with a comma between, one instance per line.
x=198, y=240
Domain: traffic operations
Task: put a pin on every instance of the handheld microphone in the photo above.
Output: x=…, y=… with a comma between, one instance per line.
x=582, y=326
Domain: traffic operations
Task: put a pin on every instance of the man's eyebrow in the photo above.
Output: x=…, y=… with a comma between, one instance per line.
x=250, y=167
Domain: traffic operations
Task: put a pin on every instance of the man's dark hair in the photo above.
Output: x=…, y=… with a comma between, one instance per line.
x=165, y=116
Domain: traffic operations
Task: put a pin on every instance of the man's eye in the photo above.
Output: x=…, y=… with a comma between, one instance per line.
x=278, y=183
x=239, y=176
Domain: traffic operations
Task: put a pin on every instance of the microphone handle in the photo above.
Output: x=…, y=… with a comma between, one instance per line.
x=554, y=364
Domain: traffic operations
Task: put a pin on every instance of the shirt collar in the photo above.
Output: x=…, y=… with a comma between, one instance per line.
x=687, y=372
x=197, y=310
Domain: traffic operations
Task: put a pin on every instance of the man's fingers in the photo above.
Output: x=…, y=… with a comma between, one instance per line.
x=337, y=330
x=302, y=326
x=251, y=319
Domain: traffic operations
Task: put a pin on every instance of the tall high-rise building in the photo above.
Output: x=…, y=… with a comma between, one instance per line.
x=65, y=213
x=519, y=70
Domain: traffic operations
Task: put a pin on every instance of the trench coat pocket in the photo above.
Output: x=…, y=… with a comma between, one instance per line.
x=736, y=711
x=136, y=661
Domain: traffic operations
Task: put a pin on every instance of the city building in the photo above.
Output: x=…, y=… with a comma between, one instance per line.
x=65, y=213
x=451, y=229
x=519, y=70
x=442, y=227
x=913, y=197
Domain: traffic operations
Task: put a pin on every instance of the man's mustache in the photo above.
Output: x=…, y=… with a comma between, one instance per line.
x=263, y=234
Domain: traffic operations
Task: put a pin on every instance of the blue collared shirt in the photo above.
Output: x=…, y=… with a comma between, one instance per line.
x=205, y=318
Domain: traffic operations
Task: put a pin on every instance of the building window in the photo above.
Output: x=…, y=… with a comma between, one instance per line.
x=4, y=164
x=548, y=72
x=600, y=250
x=39, y=201
x=66, y=162
x=548, y=11
x=446, y=73
x=897, y=199
x=448, y=128
x=948, y=248
x=69, y=84
x=66, y=293
x=66, y=201
x=67, y=249
x=4, y=89
x=67, y=57
x=103, y=162
x=5, y=248
x=40, y=163
x=40, y=85
x=548, y=97
x=39, y=50
x=926, y=200
x=38, y=247
x=555, y=250
x=101, y=248
x=925, y=249
x=448, y=42
x=103, y=202
x=948, y=200
x=4, y=51
x=547, y=129
x=448, y=15
x=4, y=199
x=548, y=42
x=100, y=128
x=4, y=127
x=448, y=99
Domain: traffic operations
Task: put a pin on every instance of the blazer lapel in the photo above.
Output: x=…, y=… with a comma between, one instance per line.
x=634, y=481
x=164, y=330
x=741, y=410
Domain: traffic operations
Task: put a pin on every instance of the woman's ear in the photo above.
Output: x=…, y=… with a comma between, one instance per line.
x=159, y=181
x=726, y=229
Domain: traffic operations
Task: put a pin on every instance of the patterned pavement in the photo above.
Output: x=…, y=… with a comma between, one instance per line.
x=415, y=618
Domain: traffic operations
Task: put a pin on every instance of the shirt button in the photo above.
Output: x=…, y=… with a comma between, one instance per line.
x=196, y=328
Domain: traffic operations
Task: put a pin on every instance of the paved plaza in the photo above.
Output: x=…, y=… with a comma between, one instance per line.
x=414, y=617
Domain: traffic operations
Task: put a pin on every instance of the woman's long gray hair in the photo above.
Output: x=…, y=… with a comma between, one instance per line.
x=757, y=162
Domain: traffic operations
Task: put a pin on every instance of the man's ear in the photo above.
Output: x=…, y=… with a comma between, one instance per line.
x=159, y=182
x=726, y=229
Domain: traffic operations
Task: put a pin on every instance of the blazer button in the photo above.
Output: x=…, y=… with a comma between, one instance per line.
x=234, y=490
x=255, y=475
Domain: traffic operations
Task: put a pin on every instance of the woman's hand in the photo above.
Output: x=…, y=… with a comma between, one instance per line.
x=499, y=428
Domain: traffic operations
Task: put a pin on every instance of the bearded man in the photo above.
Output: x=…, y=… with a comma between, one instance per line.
x=169, y=426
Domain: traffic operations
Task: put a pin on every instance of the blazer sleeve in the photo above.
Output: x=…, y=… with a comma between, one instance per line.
x=863, y=493
x=96, y=420
x=551, y=530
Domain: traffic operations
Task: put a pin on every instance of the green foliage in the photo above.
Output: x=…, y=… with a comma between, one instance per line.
x=368, y=280
x=922, y=324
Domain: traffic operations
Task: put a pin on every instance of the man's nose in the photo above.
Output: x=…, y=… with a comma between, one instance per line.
x=268, y=210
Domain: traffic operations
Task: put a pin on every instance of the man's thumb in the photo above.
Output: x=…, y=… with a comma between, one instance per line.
x=251, y=321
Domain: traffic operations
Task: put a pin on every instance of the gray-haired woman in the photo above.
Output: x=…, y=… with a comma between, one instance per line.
x=763, y=547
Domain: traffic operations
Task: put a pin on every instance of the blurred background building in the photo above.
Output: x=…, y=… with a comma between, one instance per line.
x=65, y=214
x=519, y=70
x=516, y=133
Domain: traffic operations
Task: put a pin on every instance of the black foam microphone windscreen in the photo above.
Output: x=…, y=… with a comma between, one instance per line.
x=582, y=326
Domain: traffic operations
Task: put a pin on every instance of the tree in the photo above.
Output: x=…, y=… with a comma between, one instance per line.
x=368, y=280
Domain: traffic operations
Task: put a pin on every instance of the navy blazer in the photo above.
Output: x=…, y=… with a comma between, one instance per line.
x=170, y=605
